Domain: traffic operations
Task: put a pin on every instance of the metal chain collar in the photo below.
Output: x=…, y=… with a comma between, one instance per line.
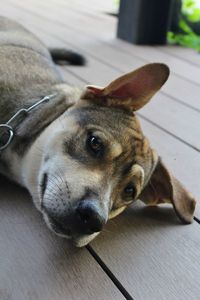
x=7, y=129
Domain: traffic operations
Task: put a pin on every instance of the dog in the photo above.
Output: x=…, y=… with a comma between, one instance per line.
x=81, y=154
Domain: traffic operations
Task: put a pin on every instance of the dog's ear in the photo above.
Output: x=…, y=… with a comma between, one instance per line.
x=132, y=90
x=164, y=187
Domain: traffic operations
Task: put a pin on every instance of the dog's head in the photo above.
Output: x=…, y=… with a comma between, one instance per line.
x=98, y=161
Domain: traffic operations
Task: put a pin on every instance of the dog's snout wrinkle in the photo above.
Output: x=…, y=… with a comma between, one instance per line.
x=89, y=194
x=44, y=184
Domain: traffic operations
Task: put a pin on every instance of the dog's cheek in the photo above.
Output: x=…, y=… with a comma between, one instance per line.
x=116, y=212
x=36, y=201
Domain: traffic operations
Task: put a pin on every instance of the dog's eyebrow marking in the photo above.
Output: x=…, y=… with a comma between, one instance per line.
x=127, y=169
x=116, y=149
x=138, y=171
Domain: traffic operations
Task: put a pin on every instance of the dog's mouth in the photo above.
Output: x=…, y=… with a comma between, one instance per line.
x=57, y=228
x=81, y=241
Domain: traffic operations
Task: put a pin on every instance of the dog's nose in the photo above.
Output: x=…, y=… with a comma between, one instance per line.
x=90, y=217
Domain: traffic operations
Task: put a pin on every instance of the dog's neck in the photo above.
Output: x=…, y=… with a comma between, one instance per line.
x=32, y=126
x=32, y=132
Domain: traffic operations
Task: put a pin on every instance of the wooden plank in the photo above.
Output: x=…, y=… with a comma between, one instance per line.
x=179, y=66
x=183, y=122
x=152, y=255
x=95, y=9
x=189, y=55
x=179, y=89
x=181, y=159
x=186, y=92
x=68, y=10
x=36, y=264
x=94, y=6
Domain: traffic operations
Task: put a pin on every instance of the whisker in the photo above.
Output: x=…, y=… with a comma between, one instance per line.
x=64, y=181
x=54, y=182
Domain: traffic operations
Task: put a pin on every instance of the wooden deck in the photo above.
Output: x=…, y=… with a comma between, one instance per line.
x=145, y=253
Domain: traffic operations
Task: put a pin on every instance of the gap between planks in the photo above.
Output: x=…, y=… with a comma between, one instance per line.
x=109, y=273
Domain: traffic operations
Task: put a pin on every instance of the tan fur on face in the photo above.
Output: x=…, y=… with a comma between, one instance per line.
x=116, y=212
x=120, y=201
x=116, y=150
x=137, y=172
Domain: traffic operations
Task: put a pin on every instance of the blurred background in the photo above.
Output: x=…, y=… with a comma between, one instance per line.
x=160, y=22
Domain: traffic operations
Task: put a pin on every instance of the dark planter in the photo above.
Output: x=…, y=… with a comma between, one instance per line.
x=144, y=21
x=176, y=15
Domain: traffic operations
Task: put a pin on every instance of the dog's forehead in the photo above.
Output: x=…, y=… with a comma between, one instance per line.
x=121, y=124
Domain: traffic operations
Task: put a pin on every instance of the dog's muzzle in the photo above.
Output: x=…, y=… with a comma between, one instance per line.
x=85, y=219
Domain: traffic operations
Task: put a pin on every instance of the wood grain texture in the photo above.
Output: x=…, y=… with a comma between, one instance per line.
x=189, y=55
x=152, y=255
x=66, y=14
x=35, y=264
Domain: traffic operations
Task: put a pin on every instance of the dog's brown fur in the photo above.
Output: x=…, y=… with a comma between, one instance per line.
x=50, y=156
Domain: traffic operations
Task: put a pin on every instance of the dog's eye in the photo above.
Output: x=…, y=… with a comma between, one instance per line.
x=130, y=190
x=95, y=145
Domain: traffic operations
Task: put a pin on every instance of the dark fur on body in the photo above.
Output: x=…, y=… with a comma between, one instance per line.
x=28, y=73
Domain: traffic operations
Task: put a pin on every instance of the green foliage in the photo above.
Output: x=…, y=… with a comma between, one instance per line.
x=116, y=2
x=190, y=12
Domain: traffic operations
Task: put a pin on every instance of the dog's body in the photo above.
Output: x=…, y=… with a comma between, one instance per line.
x=82, y=156
x=22, y=56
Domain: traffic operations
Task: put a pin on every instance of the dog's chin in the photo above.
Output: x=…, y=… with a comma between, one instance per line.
x=78, y=240
x=84, y=239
